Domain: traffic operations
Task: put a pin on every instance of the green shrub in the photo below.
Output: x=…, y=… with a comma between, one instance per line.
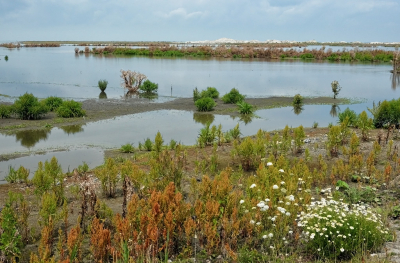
x=205, y=104
x=53, y=102
x=172, y=144
x=5, y=111
x=233, y=97
x=364, y=124
x=6, y=58
x=210, y=92
x=148, y=145
x=336, y=230
x=102, y=84
x=386, y=113
x=28, y=107
x=297, y=100
x=347, y=113
x=307, y=56
x=149, y=87
x=245, y=108
x=127, y=148
x=70, y=109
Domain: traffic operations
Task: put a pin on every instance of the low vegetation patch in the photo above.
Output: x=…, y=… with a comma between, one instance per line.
x=70, y=109
x=28, y=107
x=233, y=97
x=205, y=104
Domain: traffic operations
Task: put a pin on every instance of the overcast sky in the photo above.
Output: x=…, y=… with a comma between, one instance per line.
x=186, y=20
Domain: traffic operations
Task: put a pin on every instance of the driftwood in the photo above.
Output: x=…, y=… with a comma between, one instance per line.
x=132, y=80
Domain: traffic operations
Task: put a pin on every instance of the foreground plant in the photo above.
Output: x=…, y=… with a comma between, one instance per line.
x=336, y=230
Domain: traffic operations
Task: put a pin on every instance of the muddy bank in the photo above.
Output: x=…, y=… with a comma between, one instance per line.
x=101, y=109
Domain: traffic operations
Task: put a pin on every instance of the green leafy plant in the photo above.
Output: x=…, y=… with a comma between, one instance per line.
x=205, y=104
x=148, y=145
x=6, y=58
x=53, y=102
x=70, y=109
x=299, y=136
x=386, y=113
x=365, y=124
x=235, y=132
x=149, y=87
x=102, y=84
x=108, y=176
x=335, y=88
x=245, y=108
x=297, y=100
x=127, y=148
x=233, y=97
x=351, y=115
x=207, y=135
x=341, y=185
x=5, y=111
x=210, y=92
x=28, y=107
x=172, y=144
x=158, y=142
x=315, y=125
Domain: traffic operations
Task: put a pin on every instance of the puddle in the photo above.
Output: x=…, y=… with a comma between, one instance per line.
x=67, y=159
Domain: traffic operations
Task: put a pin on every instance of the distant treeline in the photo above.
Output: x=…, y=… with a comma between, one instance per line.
x=18, y=45
x=374, y=55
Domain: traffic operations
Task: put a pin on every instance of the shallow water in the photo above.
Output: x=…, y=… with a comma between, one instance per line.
x=60, y=72
x=68, y=160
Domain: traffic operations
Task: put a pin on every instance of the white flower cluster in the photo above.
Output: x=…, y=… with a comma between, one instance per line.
x=335, y=222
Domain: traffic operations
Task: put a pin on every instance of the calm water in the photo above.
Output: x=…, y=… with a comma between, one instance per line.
x=59, y=72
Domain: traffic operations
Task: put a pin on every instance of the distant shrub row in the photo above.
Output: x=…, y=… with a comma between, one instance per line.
x=253, y=52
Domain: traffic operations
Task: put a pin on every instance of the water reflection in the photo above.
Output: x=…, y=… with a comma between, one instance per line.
x=334, y=110
x=203, y=118
x=150, y=96
x=72, y=129
x=245, y=118
x=395, y=78
x=29, y=138
x=103, y=95
x=297, y=109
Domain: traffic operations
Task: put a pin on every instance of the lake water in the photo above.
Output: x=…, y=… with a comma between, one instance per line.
x=59, y=72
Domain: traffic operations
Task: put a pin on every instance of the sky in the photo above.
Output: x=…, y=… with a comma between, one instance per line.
x=194, y=20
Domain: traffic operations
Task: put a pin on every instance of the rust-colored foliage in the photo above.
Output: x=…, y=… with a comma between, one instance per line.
x=74, y=243
x=100, y=240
